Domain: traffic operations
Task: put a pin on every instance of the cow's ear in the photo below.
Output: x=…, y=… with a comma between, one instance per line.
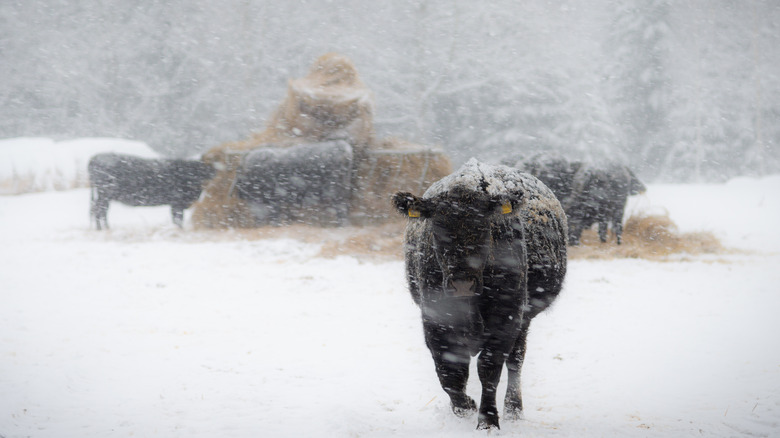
x=409, y=205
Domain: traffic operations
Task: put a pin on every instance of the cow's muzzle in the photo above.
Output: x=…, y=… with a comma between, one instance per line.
x=461, y=288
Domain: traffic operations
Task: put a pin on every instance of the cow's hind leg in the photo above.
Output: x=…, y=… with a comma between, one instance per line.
x=513, y=402
x=99, y=212
x=617, y=225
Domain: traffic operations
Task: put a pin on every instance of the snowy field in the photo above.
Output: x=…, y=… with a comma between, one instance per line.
x=151, y=331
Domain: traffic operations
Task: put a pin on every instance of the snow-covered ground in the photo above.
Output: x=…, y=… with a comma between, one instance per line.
x=151, y=331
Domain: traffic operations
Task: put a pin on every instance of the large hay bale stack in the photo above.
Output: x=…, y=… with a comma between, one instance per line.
x=330, y=103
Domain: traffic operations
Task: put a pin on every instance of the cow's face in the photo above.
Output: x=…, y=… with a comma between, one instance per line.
x=461, y=233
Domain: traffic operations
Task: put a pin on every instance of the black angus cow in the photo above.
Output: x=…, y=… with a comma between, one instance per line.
x=139, y=181
x=590, y=193
x=485, y=253
x=598, y=196
x=309, y=183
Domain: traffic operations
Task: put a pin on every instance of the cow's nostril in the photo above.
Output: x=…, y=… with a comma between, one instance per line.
x=462, y=288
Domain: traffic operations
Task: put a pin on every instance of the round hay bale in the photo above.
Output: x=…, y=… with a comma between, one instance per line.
x=217, y=206
x=395, y=166
x=330, y=101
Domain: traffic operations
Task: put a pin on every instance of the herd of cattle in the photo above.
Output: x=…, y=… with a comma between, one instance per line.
x=282, y=185
x=485, y=247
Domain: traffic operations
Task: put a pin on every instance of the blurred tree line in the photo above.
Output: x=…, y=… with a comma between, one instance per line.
x=680, y=91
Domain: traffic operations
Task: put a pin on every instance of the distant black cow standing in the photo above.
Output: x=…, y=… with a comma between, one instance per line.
x=485, y=253
x=309, y=183
x=598, y=196
x=139, y=181
x=591, y=193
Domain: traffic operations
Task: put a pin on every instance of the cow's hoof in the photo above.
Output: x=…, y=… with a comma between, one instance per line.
x=465, y=407
x=513, y=413
x=487, y=422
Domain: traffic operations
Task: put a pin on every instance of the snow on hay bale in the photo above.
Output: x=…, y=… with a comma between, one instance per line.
x=331, y=102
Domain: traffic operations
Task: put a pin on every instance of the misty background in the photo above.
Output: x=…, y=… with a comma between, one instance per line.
x=679, y=90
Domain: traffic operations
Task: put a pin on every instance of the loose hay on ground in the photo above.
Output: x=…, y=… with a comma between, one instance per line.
x=645, y=237
x=652, y=237
x=377, y=242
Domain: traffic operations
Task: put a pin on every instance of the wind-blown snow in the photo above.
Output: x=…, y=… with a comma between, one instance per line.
x=148, y=330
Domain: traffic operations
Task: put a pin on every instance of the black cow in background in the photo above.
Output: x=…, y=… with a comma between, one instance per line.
x=591, y=193
x=139, y=181
x=309, y=183
x=485, y=253
x=599, y=195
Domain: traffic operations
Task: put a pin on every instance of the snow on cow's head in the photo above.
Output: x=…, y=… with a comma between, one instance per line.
x=461, y=223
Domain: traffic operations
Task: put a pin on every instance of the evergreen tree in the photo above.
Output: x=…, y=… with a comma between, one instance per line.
x=638, y=84
x=724, y=77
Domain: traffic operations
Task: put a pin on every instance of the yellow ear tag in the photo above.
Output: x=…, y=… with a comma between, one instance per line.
x=506, y=208
x=414, y=213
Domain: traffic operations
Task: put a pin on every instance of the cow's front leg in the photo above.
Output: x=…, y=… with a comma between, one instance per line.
x=501, y=333
x=102, y=215
x=451, y=359
x=453, y=372
x=99, y=210
x=489, y=366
